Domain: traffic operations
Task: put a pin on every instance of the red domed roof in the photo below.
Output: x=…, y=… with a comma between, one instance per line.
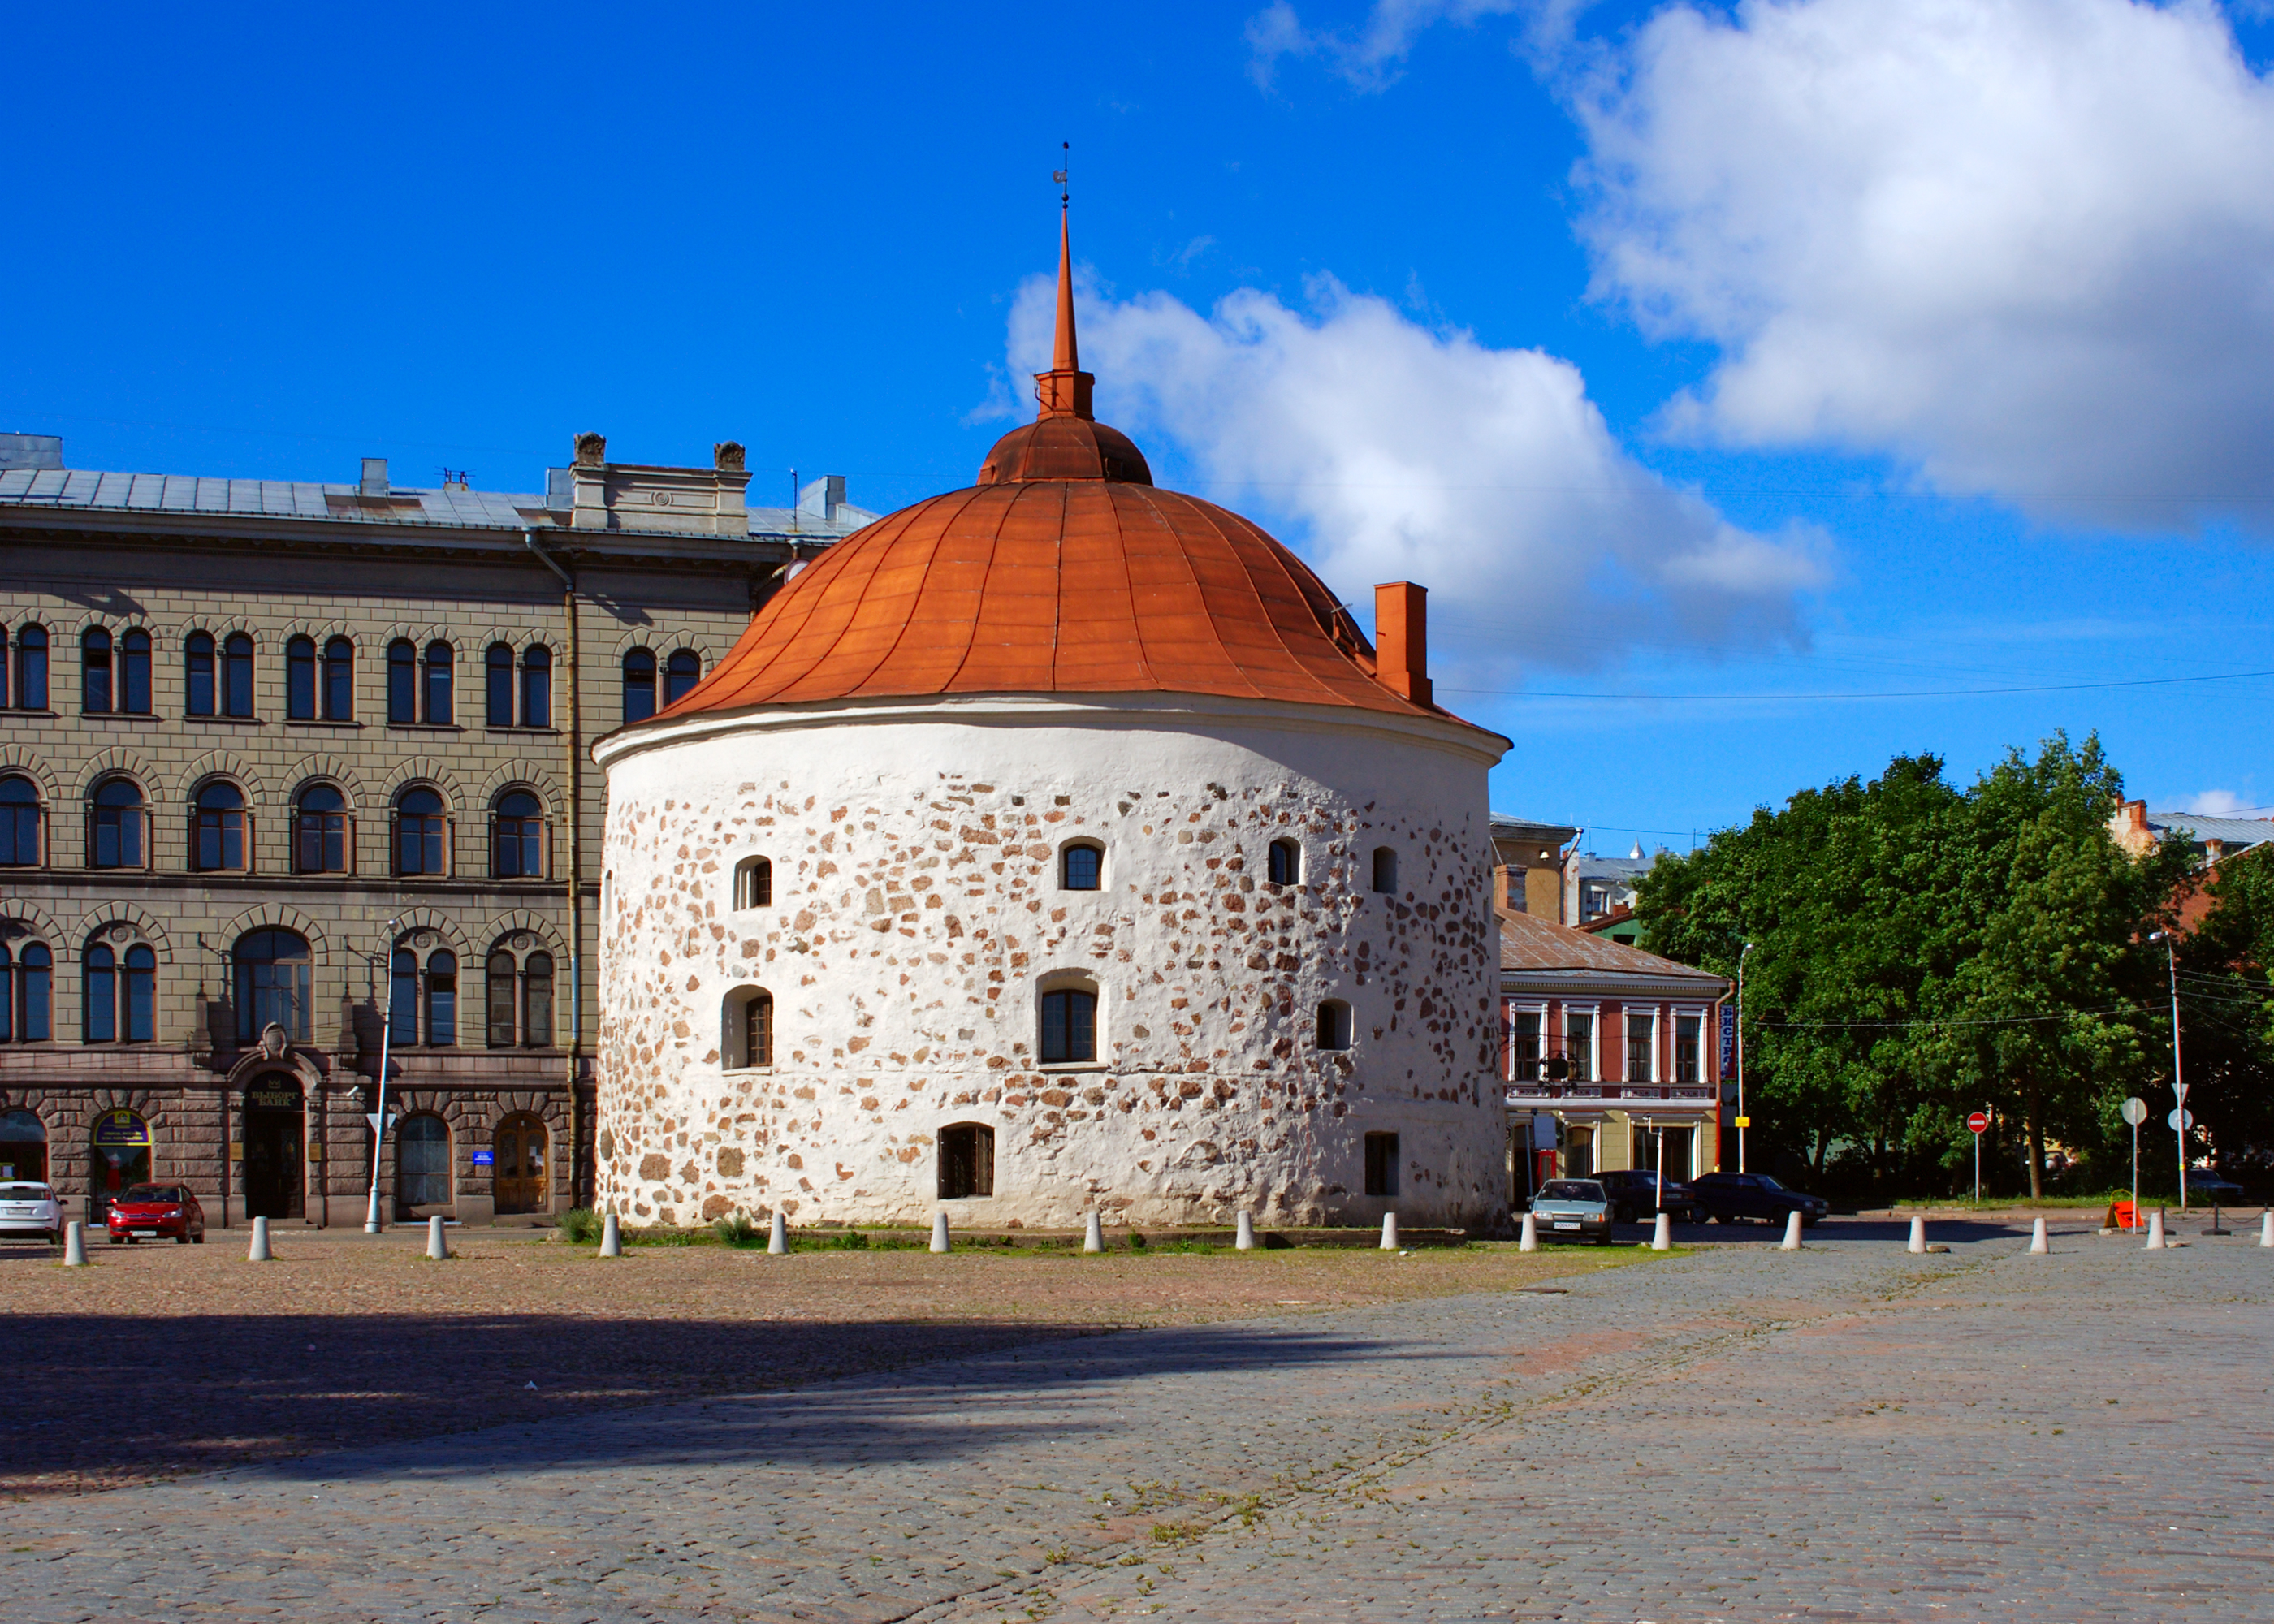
x=1063, y=571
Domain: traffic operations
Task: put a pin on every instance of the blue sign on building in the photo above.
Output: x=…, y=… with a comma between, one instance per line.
x=1729, y=1041
x=485, y=1158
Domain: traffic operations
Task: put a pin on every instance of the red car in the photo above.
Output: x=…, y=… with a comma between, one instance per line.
x=157, y=1213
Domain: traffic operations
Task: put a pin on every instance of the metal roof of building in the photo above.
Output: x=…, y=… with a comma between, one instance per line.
x=1531, y=945
x=2236, y=832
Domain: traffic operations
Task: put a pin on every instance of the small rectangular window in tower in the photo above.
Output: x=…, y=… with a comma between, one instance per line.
x=967, y=1161
x=1381, y=1164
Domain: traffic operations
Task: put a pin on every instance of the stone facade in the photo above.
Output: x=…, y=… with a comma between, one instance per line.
x=918, y=916
x=355, y=570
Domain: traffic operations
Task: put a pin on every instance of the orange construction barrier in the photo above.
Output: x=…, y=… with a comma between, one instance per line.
x=2121, y=1215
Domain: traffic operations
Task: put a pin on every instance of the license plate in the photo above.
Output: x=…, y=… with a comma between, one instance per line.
x=1561, y=1224
x=143, y=1235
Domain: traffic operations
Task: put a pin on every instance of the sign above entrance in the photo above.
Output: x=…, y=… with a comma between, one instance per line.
x=120, y=1131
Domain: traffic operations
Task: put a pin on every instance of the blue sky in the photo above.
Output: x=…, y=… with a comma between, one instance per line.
x=1819, y=354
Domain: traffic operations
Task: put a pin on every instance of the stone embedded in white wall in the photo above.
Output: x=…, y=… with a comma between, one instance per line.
x=919, y=913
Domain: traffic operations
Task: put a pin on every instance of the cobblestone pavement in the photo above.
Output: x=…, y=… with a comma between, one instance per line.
x=1735, y=1433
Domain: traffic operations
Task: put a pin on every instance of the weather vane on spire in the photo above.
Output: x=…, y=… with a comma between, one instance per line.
x=1060, y=175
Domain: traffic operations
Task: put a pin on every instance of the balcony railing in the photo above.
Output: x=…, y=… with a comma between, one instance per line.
x=1612, y=1092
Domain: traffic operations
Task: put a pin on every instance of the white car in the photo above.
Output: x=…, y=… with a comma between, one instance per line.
x=31, y=1209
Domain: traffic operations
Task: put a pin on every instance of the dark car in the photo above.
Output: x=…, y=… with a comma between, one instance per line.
x=156, y=1213
x=1729, y=1197
x=1635, y=1193
x=2204, y=1186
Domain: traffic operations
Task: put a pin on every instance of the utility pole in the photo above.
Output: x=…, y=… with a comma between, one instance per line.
x=1742, y=1120
x=370, y=1225
x=2178, y=1084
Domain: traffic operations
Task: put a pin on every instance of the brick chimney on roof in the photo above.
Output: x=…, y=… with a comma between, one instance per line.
x=1400, y=639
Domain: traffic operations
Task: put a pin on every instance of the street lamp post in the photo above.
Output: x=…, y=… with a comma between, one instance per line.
x=1742, y=1118
x=2178, y=1084
x=385, y=1031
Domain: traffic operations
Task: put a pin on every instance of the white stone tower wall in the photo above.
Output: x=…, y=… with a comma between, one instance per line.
x=917, y=917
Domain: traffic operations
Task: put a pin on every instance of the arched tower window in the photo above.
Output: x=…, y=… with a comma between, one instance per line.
x=1081, y=866
x=754, y=882
x=967, y=1160
x=1069, y=1026
x=748, y=1038
x=1385, y=868
x=1334, y=1025
x=1283, y=863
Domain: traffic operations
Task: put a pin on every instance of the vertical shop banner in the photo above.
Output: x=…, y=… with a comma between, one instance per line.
x=1729, y=1041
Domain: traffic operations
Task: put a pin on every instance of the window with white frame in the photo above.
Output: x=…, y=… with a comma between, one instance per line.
x=1642, y=1045
x=1580, y=1043
x=1526, y=1043
x=1688, y=1046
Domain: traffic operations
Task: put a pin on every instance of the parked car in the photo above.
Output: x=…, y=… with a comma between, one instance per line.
x=1572, y=1209
x=27, y=1208
x=1729, y=1197
x=2205, y=1185
x=1635, y=1193
x=156, y=1213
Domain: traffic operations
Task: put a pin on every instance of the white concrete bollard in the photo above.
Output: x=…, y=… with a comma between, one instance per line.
x=2266, y=1228
x=611, y=1237
x=2155, y=1232
x=1528, y=1238
x=1918, y=1236
x=939, y=1231
x=778, y=1243
x=1389, y=1232
x=1244, y=1234
x=1661, y=1238
x=74, y=1244
x=1092, y=1234
x=1791, y=1242
x=2039, y=1242
x=258, y=1253
x=438, y=1244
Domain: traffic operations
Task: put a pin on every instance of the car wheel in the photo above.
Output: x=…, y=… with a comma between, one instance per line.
x=181, y=1240
x=1721, y=1217
x=199, y=1238
x=115, y=1241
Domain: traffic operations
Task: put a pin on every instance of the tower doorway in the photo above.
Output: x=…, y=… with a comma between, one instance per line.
x=274, y=1130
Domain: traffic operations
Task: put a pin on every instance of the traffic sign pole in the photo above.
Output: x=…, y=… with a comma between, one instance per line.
x=1977, y=1124
x=2134, y=1111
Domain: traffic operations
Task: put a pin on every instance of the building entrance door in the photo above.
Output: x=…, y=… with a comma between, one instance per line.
x=121, y=1160
x=274, y=1130
x=520, y=1172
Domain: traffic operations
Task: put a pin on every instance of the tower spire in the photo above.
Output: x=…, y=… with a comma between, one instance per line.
x=1064, y=391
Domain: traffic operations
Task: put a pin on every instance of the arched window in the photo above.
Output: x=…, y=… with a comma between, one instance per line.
x=4, y=666
x=20, y=824
x=1283, y=863
x=1385, y=868
x=639, y=685
x=35, y=993
x=1334, y=1024
x=1069, y=1026
x=422, y=838
x=275, y=972
x=441, y=701
x=114, y=825
x=402, y=998
x=537, y=687
x=99, y=1002
x=499, y=667
x=1081, y=867
x=967, y=1161
x=217, y=835
x=217, y=839
x=499, y=998
x=236, y=675
x=31, y=668
x=94, y=692
x=517, y=837
x=401, y=682
x=441, y=998
x=680, y=676
x=23, y=1146
x=197, y=674
x=749, y=1038
x=754, y=882
x=300, y=679
x=339, y=681
x=422, y=1161
x=536, y=1001
x=134, y=673
x=137, y=995
x=321, y=837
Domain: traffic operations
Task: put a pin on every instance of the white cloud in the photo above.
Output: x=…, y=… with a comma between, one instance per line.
x=2220, y=803
x=1388, y=451
x=2026, y=246
x=1370, y=57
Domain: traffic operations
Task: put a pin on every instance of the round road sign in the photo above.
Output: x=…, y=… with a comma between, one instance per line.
x=2135, y=1110
x=1979, y=1122
x=2180, y=1119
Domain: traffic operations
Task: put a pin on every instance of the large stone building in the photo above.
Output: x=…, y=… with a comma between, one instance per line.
x=1055, y=844
x=275, y=757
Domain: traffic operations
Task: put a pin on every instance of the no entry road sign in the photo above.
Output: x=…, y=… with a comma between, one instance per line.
x=1979, y=1122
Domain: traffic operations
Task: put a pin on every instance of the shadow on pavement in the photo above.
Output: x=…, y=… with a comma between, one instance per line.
x=120, y=1401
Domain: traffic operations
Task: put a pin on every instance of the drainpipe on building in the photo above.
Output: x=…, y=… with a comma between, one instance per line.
x=576, y=768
